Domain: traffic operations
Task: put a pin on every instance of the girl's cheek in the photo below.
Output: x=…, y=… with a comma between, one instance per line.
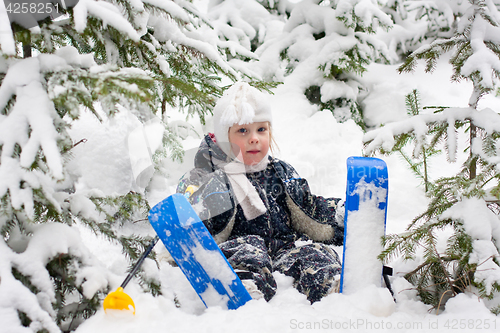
x=234, y=147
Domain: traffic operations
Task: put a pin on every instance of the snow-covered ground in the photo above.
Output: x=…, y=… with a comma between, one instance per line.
x=317, y=146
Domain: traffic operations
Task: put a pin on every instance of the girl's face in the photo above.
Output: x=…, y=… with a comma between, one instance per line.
x=250, y=142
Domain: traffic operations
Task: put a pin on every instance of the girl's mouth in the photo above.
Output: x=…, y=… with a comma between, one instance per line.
x=253, y=151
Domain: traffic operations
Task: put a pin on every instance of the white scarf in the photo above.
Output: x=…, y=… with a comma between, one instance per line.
x=245, y=193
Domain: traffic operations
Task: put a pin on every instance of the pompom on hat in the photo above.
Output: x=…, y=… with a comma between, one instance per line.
x=240, y=104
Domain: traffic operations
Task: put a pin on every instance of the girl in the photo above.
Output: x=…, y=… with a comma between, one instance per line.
x=259, y=210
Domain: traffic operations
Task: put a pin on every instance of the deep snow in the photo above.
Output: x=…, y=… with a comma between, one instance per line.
x=317, y=146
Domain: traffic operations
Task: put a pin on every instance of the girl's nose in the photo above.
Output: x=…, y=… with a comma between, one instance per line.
x=253, y=137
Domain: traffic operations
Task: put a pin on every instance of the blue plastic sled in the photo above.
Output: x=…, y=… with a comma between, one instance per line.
x=364, y=223
x=196, y=253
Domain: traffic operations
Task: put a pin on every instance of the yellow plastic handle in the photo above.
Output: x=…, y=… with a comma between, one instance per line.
x=190, y=190
x=118, y=300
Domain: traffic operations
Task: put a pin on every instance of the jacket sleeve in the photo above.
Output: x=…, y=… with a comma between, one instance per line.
x=210, y=197
x=319, y=217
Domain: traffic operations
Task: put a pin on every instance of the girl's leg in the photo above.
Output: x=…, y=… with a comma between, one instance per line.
x=249, y=258
x=313, y=267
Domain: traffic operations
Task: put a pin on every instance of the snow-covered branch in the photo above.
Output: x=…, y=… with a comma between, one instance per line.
x=475, y=49
x=384, y=137
x=485, y=235
x=48, y=242
x=365, y=13
x=107, y=12
x=483, y=60
x=27, y=129
x=7, y=44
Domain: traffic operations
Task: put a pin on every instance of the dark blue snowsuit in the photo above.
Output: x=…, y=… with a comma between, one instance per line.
x=292, y=236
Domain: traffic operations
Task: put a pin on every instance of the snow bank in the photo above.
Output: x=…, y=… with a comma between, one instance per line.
x=370, y=310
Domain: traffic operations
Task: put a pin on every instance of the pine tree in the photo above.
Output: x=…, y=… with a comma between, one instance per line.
x=419, y=22
x=419, y=159
x=103, y=57
x=328, y=45
x=458, y=203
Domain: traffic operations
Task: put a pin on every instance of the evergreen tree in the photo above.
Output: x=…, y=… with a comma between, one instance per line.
x=419, y=159
x=328, y=45
x=419, y=22
x=103, y=57
x=458, y=203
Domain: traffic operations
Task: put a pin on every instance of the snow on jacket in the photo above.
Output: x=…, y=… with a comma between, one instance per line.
x=292, y=211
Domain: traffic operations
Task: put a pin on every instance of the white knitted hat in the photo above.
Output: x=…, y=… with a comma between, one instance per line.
x=241, y=104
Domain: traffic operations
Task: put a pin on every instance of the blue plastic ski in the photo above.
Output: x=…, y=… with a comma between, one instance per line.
x=365, y=217
x=196, y=253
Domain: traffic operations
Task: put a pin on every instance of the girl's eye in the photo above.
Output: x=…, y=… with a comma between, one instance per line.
x=262, y=129
x=242, y=130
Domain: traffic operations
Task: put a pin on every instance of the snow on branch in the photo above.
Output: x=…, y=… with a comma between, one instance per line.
x=366, y=13
x=483, y=59
x=27, y=128
x=29, y=140
x=171, y=7
x=384, y=137
x=14, y=297
x=170, y=31
x=320, y=18
x=49, y=241
x=33, y=112
x=108, y=13
x=231, y=21
x=7, y=44
x=469, y=211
